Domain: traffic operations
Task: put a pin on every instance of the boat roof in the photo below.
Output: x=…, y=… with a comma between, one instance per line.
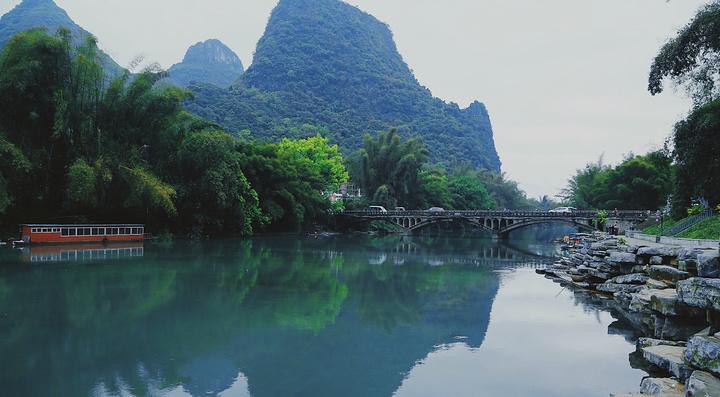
x=83, y=225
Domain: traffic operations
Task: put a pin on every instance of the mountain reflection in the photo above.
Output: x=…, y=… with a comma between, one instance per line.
x=293, y=316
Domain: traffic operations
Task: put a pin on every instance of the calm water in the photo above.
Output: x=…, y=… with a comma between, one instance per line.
x=300, y=316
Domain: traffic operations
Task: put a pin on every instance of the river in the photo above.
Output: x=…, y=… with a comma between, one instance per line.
x=303, y=316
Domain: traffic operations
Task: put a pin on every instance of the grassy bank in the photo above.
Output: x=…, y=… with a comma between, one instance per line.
x=707, y=229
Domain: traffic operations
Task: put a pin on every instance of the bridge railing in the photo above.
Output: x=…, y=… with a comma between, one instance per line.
x=625, y=214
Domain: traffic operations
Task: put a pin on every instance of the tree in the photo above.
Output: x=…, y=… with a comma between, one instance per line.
x=697, y=155
x=318, y=157
x=393, y=163
x=639, y=182
x=215, y=194
x=692, y=57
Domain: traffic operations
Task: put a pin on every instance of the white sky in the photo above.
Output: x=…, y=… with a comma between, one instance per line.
x=564, y=80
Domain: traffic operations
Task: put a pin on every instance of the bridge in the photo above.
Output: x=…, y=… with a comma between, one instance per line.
x=499, y=223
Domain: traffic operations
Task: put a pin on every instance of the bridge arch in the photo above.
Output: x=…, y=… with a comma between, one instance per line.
x=469, y=221
x=520, y=225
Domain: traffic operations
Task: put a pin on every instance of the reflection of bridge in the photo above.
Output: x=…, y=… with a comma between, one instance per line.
x=492, y=256
x=499, y=223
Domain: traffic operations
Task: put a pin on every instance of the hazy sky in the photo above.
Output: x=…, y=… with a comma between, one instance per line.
x=564, y=80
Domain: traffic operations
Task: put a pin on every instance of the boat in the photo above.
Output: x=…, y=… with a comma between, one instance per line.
x=63, y=234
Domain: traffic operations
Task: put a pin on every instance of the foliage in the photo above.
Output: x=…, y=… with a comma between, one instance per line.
x=395, y=172
x=289, y=183
x=387, y=168
x=695, y=209
x=696, y=148
x=692, y=57
x=82, y=188
x=214, y=190
x=317, y=156
x=147, y=192
x=601, y=218
x=326, y=63
x=639, y=182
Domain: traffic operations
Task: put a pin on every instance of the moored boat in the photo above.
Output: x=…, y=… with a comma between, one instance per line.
x=62, y=234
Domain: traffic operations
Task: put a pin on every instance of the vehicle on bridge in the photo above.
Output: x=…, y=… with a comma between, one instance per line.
x=563, y=210
x=377, y=208
x=436, y=209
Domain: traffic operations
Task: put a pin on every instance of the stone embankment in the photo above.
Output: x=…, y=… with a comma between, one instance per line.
x=669, y=294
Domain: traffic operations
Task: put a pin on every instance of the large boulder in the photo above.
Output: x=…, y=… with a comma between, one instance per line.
x=622, y=257
x=708, y=264
x=659, y=250
x=669, y=358
x=700, y=292
x=667, y=273
x=663, y=301
x=703, y=352
x=702, y=384
x=661, y=386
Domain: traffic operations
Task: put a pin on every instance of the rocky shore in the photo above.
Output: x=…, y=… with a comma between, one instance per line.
x=669, y=295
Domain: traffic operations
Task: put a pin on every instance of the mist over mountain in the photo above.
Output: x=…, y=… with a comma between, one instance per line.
x=330, y=65
x=210, y=62
x=46, y=14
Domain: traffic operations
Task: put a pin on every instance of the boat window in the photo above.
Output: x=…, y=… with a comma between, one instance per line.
x=33, y=230
x=72, y=231
x=135, y=231
x=95, y=231
x=114, y=230
x=142, y=230
x=65, y=232
x=87, y=231
x=101, y=231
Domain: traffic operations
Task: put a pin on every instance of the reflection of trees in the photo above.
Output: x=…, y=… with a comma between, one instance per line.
x=196, y=314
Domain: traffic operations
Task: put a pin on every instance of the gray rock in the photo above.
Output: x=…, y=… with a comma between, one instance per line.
x=658, y=251
x=661, y=386
x=663, y=301
x=669, y=358
x=702, y=384
x=612, y=288
x=700, y=292
x=704, y=352
x=708, y=264
x=667, y=273
x=647, y=342
x=635, y=278
x=656, y=260
x=622, y=257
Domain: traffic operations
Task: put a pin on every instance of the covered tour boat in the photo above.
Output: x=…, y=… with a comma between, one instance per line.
x=59, y=234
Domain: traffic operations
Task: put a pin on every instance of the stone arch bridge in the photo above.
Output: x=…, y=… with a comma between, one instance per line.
x=499, y=223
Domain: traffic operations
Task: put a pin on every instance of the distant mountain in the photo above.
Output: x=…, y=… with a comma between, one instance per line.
x=328, y=64
x=45, y=13
x=210, y=62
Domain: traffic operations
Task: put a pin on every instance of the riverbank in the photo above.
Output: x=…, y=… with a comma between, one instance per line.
x=671, y=296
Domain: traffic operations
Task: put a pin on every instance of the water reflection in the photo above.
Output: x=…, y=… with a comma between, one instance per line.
x=271, y=316
x=81, y=252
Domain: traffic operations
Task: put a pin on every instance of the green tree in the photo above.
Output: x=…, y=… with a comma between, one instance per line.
x=214, y=191
x=317, y=156
x=697, y=155
x=393, y=163
x=692, y=57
